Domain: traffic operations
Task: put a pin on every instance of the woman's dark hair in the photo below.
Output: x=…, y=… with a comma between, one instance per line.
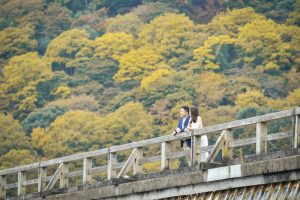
x=186, y=108
x=194, y=113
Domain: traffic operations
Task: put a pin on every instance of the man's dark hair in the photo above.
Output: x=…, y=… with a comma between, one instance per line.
x=186, y=108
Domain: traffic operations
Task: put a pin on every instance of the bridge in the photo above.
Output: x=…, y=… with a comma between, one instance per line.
x=227, y=173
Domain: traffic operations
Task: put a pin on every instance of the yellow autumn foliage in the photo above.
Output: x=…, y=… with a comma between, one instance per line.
x=113, y=45
x=154, y=76
x=253, y=98
x=128, y=23
x=138, y=64
x=205, y=55
x=20, y=78
x=16, y=41
x=68, y=47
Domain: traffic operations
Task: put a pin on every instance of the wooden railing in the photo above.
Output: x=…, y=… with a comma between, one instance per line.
x=224, y=143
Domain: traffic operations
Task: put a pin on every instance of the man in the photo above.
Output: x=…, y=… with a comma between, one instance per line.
x=181, y=127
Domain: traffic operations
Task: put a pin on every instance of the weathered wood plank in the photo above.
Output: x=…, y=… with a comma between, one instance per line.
x=54, y=178
x=217, y=147
x=56, y=161
x=248, y=121
x=252, y=140
x=11, y=186
x=127, y=164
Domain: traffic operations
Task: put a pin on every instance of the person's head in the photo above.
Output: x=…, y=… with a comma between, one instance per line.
x=194, y=113
x=184, y=111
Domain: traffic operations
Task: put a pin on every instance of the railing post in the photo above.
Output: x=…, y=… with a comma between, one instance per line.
x=2, y=187
x=112, y=160
x=42, y=178
x=87, y=167
x=296, y=131
x=21, y=180
x=227, y=150
x=165, y=149
x=196, y=147
x=137, y=168
x=64, y=179
x=261, y=137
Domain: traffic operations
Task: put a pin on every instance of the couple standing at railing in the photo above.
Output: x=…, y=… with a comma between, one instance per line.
x=185, y=125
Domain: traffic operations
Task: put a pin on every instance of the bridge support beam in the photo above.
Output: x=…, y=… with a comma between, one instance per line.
x=196, y=148
x=42, y=179
x=261, y=137
x=165, y=150
x=296, y=131
x=21, y=180
x=227, y=150
x=112, y=161
x=64, y=180
x=87, y=168
x=137, y=167
x=2, y=187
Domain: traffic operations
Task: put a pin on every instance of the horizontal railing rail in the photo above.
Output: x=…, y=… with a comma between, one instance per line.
x=224, y=143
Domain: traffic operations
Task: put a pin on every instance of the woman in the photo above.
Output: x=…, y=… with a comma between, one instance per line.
x=196, y=123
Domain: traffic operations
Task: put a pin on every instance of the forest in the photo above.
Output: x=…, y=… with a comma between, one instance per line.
x=80, y=75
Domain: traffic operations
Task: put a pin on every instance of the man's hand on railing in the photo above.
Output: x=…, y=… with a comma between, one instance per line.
x=174, y=133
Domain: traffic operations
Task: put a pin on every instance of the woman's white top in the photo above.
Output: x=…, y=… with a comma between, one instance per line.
x=204, y=140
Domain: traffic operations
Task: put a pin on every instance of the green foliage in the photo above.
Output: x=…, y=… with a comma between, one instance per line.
x=148, y=11
x=294, y=17
x=42, y=118
x=217, y=52
x=277, y=10
x=228, y=23
x=115, y=6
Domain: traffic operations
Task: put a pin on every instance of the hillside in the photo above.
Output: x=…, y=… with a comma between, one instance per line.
x=82, y=75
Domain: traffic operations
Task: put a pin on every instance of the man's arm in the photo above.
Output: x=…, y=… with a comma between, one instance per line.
x=177, y=130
